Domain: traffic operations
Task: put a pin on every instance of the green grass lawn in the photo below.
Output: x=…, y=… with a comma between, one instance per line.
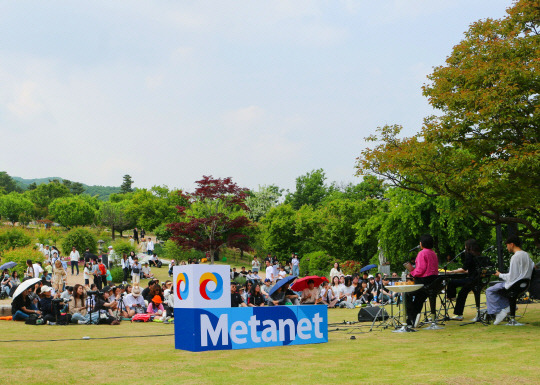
x=472, y=354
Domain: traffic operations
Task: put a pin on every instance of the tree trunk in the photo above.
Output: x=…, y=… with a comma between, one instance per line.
x=211, y=256
x=112, y=228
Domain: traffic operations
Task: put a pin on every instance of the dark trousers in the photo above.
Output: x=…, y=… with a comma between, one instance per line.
x=97, y=281
x=416, y=299
x=74, y=264
x=466, y=285
x=126, y=273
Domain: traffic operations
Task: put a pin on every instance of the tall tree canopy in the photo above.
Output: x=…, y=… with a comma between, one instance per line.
x=483, y=150
x=214, y=217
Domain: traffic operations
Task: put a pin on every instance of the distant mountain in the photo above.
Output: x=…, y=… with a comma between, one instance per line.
x=102, y=192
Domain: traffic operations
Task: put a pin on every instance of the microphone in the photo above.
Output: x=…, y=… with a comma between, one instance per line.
x=490, y=248
x=414, y=248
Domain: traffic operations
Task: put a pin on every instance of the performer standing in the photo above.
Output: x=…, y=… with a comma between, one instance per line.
x=425, y=272
x=521, y=266
x=470, y=266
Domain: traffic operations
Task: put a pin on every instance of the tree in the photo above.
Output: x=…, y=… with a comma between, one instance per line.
x=44, y=194
x=14, y=206
x=126, y=185
x=259, y=202
x=278, y=230
x=8, y=184
x=214, y=218
x=116, y=216
x=72, y=211
x=76, y=188
x=483, y=151
x=310, y=190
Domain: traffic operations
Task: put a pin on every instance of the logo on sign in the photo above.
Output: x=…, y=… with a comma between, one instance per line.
x=206, y=293
x=182, y=294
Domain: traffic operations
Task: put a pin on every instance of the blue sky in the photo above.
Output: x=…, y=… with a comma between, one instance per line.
x=168, y=91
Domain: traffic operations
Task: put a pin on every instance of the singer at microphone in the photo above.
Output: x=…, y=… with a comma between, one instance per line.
x=426, y=271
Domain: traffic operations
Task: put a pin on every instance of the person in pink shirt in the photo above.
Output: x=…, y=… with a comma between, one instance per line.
x=155, y=307
x=426, y=271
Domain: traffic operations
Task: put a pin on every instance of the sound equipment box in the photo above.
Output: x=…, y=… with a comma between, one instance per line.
x=534, y=288
x=368, y=314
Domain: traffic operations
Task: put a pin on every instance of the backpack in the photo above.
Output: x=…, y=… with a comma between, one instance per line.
x=141, y=317
x=102, y=269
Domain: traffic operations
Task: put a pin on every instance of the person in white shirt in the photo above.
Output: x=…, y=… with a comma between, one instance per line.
x=255, y=265
x=521, y=266
x=38, y=270
x=270, y=274
x=336, y=271
x=295, y=265
x=147, y=273
x=134, y=302
x=47, y=252
x=150, y=246
x=74, y=259
x=282, y=273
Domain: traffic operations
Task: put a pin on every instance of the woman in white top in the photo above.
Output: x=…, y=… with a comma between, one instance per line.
x=336, y=287
x=327, y=295
x=347, y=292
x=336, y=271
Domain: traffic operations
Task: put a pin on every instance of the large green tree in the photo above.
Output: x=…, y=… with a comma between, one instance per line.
x=116, y=216
x=259, y=202
x=311, y=189
x=44, y=194
x=483, y=149
x=72, y=211
x=15, y=206
x=7, y=183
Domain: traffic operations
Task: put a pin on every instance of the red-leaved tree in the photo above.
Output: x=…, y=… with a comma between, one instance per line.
x=214, y=217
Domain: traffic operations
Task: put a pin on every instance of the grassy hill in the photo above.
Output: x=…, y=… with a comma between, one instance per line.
x=102, y=192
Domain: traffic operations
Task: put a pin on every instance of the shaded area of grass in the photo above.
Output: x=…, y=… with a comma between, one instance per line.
x=455, y=355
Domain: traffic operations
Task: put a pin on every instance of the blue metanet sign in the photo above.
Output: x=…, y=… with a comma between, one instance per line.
x=249, y=327
x=204, y=320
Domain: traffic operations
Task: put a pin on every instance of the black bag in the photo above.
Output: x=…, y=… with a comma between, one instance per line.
x=32, y=319
x=135, y=270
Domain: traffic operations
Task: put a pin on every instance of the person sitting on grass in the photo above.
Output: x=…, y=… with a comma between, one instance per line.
x=236, y=298
x=265, y=289
x=327, y=296
x=256, y=297
x=103, y=308
x=147, y=273
x=155, y=307
x=310, y=295
x=134, y=302
x=78, y=307
x=22, y=307
x=46, y=305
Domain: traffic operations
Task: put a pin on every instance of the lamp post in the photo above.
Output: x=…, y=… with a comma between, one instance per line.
x=100, y=247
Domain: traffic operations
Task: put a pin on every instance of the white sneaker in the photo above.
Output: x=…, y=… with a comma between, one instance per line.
x=457, y=318
x=501, y=316
x=81, y=322
x=474, y=319
x=417, y=320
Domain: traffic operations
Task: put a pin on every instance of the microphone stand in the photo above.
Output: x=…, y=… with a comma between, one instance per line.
x=445, y=268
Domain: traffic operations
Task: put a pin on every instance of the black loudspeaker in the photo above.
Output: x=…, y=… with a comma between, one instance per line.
x=105, y=260
x=534, y=288
x=368, y=314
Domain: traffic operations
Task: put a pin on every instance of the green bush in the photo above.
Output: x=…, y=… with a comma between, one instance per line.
x=172, y=251
x=320, y=263
x=117, y=274
x=12, y=238
x=162, y=232
x=122, y=246
x=81, y=239
x=158, y=249
x=304, y=266
x=20, y=255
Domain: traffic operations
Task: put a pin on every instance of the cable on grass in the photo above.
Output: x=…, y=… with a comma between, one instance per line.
x=90, y=338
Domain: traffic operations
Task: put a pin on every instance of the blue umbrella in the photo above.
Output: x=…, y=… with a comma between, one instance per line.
x=282, y=282
x=8, y=265
x=366, y=268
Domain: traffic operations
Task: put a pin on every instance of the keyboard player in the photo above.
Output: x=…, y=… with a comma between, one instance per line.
x=471, y=268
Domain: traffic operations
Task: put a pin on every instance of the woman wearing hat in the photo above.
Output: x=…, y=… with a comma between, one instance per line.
x=155, y=307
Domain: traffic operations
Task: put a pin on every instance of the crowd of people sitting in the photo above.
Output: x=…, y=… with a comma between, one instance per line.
x=41, y=303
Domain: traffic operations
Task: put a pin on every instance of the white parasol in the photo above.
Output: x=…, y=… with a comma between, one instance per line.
x=25, y=285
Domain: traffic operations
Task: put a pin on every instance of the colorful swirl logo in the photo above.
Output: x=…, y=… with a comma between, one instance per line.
x=182, y=294
x=203, y=289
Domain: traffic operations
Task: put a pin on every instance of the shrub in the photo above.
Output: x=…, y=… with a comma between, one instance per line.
x=20, y=255
x=117, y=274
x=172, y=251
x=350, y=267
x=162, y=232
x=81, y=239
x=320, y=263
x=122, y=246
x=13, y=238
